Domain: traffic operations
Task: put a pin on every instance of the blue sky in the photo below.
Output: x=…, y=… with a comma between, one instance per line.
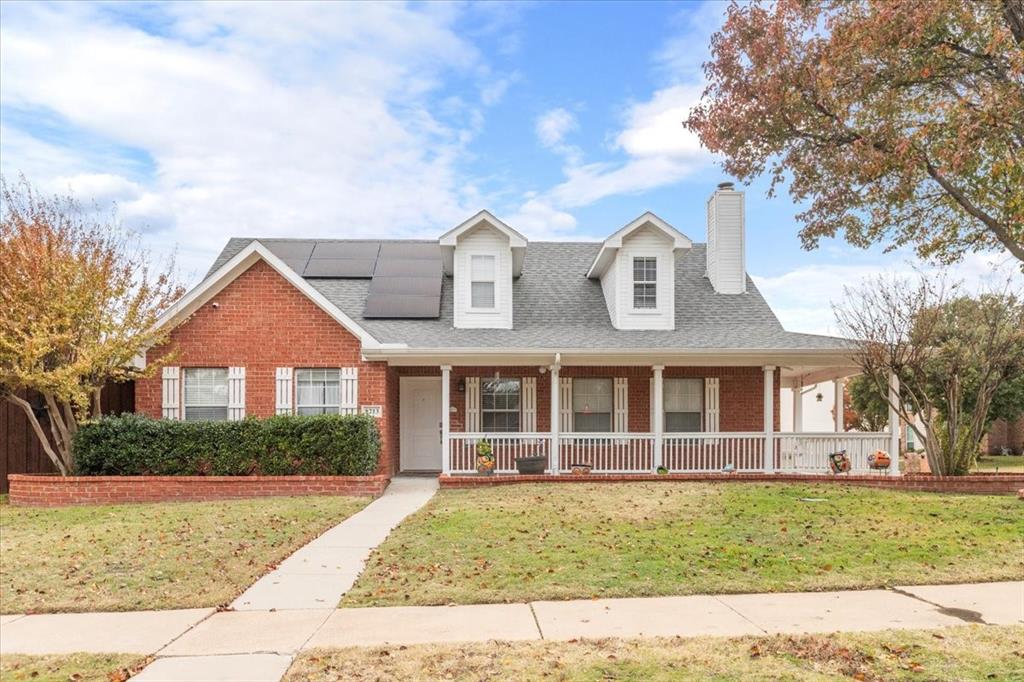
x=205, y=121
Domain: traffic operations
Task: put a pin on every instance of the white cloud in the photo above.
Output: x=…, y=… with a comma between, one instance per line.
x=802, y=298
x=260, y=119
x=552, y=126
x=538, y=220
x=655, y=128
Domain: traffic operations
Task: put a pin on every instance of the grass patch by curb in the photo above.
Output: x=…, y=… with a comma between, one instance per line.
x=961, y=653
x=533, y=542
x=152, y=556
x=74, y=667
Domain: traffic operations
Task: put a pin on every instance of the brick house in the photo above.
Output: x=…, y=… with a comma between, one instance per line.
x=643, y=350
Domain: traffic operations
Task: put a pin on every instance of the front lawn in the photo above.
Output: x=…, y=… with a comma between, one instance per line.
x=152, y=556
x=530, y=542
x=963, y=653
x=73, y=667
x=1002, y=463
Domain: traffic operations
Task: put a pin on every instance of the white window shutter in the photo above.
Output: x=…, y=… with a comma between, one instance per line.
x=283, y=403
x=620, y=419
x=565, y=405
x=349, y=390
x=236, y=393
x=529, y=424
x=711, y=410
x=473, y=404
x=171, y=390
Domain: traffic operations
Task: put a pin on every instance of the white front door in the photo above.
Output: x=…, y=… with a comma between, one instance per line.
x=419, y=423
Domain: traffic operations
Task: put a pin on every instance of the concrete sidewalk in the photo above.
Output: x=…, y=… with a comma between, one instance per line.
x=259, y=645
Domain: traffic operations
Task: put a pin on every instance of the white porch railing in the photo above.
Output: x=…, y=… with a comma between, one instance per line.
x=804, y=452
x=506, y=447
x=704, y=452
x=683, y=453
x=607, y=452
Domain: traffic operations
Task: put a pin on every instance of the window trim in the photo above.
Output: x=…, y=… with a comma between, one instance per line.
x=633, y=293
x=484, y=381
x=184, y=394
x=296, y=372
x=610, y=413
x=700, y=411
x=493, y=282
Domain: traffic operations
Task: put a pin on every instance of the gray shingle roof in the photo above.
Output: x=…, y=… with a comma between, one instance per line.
x=557, y=307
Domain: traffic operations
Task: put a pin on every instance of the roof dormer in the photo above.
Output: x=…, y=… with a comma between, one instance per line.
x=483, y=255
x=636, y=266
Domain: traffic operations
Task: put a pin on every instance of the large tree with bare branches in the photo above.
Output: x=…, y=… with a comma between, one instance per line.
x=900, y=121
x=951, y=352
x=78, y=301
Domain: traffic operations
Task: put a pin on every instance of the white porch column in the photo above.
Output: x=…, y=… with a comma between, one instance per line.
x=556, y=416
x=894, y=424
x=769, y=419
x=659, y=414
x=838, y=386
x=446, y=459
x=798, y=405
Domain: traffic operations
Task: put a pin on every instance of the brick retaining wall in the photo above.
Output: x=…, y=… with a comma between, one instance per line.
x=56, y=491
x=987, y=484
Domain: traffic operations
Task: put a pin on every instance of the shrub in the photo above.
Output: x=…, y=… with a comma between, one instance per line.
x=136, y=445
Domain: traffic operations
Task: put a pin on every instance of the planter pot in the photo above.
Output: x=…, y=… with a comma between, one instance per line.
x=531, y=465
x=485, y=464
x=580, y=469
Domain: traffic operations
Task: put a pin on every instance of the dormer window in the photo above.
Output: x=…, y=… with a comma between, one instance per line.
x=482, y=276
x=645, y=282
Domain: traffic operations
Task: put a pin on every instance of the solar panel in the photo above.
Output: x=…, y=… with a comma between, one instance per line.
x=346, y=250
x=290, y=250
x=407, y=267
x=412, y=251
x=402, y=306
x=406, y=282
x=339, y=267
x=411, y=286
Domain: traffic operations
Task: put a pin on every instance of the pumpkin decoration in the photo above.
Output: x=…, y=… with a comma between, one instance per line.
x=879, y=460
x=485, y=460
x=839, y=462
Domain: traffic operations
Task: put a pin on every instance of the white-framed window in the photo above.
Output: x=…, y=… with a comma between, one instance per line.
x=592, y=405
x=481, y=282
x=645, y=282
x=317, y=391
x=683, y=405
x=500, y=402
x=206, y=393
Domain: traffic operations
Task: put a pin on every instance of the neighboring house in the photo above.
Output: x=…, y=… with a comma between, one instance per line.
x=1005, y=436
x=643, y=349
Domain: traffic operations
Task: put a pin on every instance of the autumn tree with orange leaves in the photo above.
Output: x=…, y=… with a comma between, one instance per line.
x=78, y=302
x=900, y=121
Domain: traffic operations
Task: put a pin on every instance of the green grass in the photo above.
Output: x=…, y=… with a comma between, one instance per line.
x=152, y=556
x=73, y=667
x=961, y=653
x=1003, y=463
x=530, y=542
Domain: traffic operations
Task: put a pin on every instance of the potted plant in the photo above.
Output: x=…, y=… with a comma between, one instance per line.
x=485, y=461
x=662, y=470
x=534, y=464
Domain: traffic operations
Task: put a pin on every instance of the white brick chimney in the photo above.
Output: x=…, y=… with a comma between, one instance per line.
x=727, y=263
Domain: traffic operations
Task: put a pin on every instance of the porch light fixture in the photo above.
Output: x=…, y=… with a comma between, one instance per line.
x=462, y=385
x=819, y=397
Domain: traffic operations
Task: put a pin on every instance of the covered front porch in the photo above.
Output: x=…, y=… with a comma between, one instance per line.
x=707, y=417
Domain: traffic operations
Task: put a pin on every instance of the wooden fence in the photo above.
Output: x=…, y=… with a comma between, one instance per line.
x=20, y=451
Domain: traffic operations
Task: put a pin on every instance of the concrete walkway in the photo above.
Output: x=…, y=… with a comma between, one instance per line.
x=257, y=645
x=318, y=574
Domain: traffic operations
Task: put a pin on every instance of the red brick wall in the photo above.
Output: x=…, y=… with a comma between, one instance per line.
x=741, y=398
x=262, y=323
x=57, y=491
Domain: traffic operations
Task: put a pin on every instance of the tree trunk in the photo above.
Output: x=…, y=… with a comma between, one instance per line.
x=61, y=460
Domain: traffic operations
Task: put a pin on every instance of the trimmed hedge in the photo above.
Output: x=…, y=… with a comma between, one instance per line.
x=136, y=445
